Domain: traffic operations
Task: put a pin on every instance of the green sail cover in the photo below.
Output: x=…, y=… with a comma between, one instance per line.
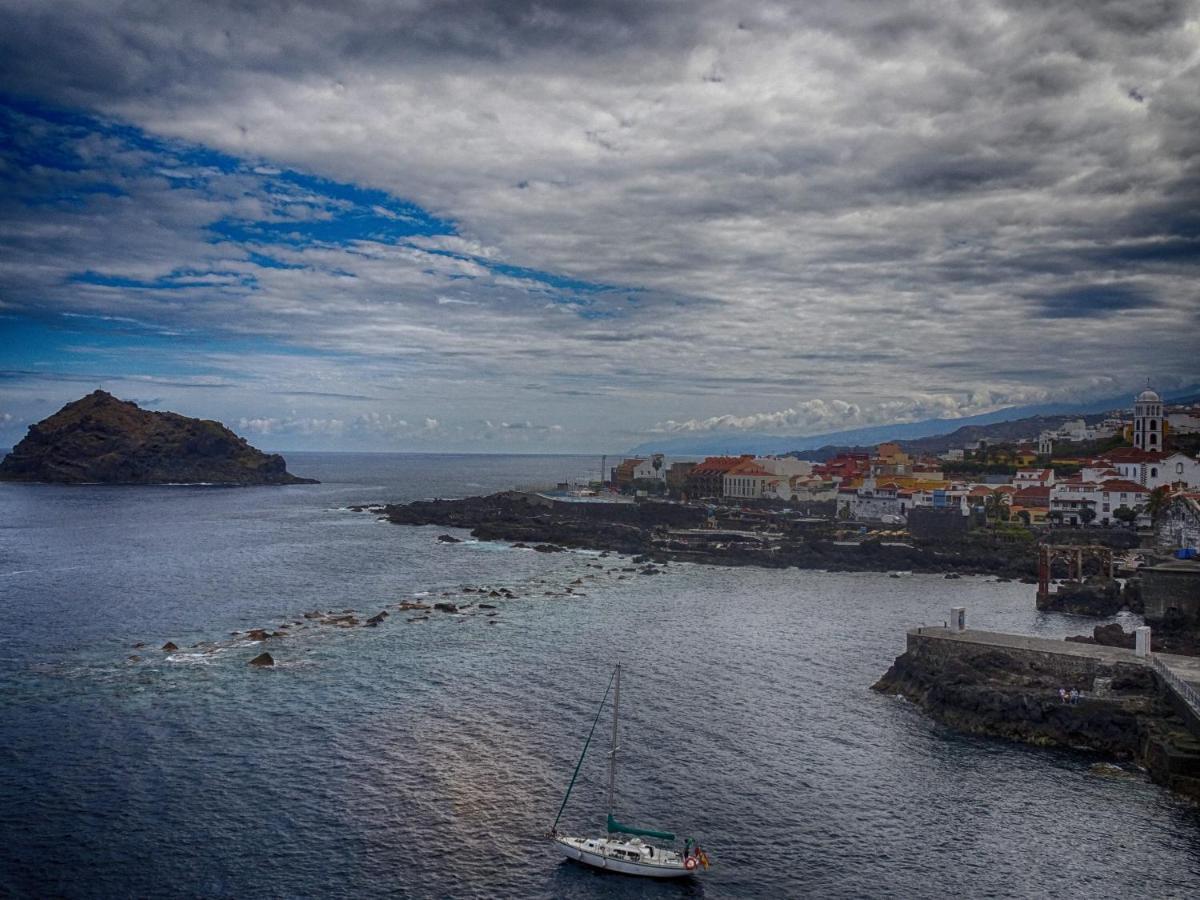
x=614, y=825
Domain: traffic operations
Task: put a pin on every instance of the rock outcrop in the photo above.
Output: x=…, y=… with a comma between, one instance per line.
x=644, y=531
x=100, y=439
x=1095, y=596
x=997, y=693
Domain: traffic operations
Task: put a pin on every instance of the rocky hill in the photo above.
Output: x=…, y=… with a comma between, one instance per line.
x=100, y=439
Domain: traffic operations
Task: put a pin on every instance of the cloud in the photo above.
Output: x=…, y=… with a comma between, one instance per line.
x=1096, y=301
x=688, y=215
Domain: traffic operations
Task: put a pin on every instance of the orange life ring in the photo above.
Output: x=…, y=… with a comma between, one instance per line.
x=690, y=863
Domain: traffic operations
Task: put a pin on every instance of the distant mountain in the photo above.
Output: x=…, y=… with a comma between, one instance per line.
x=725, y=443
x=100, y=439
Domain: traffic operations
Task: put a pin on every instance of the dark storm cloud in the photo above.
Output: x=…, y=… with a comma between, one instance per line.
x=1097, y=301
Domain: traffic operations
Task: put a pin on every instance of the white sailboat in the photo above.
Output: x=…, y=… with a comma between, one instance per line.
x=623, y=849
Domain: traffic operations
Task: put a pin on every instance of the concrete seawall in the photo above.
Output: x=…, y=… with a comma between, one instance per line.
x=1007, y=685
x=1036, y=655
x=1065, y=660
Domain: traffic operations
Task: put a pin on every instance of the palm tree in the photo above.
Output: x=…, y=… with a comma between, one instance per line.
x=1158, y=499
x=995, y=507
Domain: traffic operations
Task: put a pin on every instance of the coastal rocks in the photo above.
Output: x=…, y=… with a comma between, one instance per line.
x=1097, y=596
x=643, y=531
x=170, y=646
x=448, y=539
x=1109, y=770
x=263, y=659
x=1003, y=694
x=100, y=439
x=377, y=618
x=256, y=635
x=990, y=695
x=446, y=607
x=1112, y=635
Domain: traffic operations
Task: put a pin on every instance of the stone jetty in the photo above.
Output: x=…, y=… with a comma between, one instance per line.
x=1133, y=705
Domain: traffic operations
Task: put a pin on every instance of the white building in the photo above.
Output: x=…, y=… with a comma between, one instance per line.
x=1148, y=421
x=785, y=467
x=645, y=469
x=801, y=488
x=1155, y=469
x=1071, y=497
x=1034, y=478
x=874, y=502
x=747, y=481
x=1185, y=421
x=1177, y=468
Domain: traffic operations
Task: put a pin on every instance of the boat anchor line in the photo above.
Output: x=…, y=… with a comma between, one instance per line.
x=622, y=849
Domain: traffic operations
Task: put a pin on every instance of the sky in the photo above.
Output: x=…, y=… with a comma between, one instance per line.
x=576, y=226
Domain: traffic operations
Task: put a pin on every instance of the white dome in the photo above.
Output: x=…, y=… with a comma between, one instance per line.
x=1148, y=396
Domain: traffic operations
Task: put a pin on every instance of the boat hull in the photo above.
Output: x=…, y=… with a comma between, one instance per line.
x=576, y=849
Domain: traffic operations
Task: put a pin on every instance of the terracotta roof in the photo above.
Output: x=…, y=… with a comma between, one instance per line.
x=1032, y=496
x=1133, y=454
x=1128, y=487
x=749, y=468
x=717, y=465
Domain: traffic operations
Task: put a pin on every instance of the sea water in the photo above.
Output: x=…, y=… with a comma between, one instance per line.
x=428, y=758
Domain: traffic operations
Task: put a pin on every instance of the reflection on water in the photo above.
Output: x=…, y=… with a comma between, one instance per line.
x=428, y=759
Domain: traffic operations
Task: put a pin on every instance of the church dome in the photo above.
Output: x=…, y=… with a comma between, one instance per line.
x=1148, y=396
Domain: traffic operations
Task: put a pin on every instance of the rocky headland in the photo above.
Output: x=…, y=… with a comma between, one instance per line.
x=1124, y=713
x=661, y=531
x=99, y=439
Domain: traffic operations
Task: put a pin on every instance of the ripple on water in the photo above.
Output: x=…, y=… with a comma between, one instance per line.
x=428, y=759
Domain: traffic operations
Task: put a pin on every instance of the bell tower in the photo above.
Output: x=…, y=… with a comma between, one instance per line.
x=1148, y=421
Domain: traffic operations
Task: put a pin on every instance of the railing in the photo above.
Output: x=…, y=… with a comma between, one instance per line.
x=1186, y=692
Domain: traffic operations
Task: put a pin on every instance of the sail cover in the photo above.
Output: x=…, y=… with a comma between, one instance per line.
x=615, y=826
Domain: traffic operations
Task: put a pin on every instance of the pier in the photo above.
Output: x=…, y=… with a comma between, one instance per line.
x=1179, y=675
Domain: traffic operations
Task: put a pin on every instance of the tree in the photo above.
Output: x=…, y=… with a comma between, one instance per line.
x=1158, y=499
x=996, y=507
x=1086, y=515
x=1124, y=514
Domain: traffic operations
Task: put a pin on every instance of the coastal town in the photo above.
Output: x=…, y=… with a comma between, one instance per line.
x=1119, y=472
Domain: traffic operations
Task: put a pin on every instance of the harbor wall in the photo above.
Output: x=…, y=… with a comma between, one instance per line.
x=939, y=649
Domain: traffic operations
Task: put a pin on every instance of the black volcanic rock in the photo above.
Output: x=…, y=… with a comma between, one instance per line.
x=100, y=439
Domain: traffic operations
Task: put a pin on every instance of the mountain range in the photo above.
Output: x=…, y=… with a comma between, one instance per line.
x=997, y=425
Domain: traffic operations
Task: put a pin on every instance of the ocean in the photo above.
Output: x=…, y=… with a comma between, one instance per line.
x=428, y=758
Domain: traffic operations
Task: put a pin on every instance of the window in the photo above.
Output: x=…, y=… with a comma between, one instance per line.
x=1154, y=472
x=1179, y=468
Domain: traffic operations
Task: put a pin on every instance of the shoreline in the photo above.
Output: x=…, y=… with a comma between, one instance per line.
x=670, y=532
x=1006, y=686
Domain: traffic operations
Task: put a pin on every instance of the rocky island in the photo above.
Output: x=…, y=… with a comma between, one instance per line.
x=100, y=439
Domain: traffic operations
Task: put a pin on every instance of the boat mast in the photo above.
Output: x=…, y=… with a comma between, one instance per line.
x=612, y=756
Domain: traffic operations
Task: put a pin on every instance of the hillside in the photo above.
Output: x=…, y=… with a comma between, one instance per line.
x=1011, y=424
x=100, y=439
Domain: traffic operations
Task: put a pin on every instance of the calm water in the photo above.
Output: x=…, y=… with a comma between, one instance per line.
x=426, y=759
